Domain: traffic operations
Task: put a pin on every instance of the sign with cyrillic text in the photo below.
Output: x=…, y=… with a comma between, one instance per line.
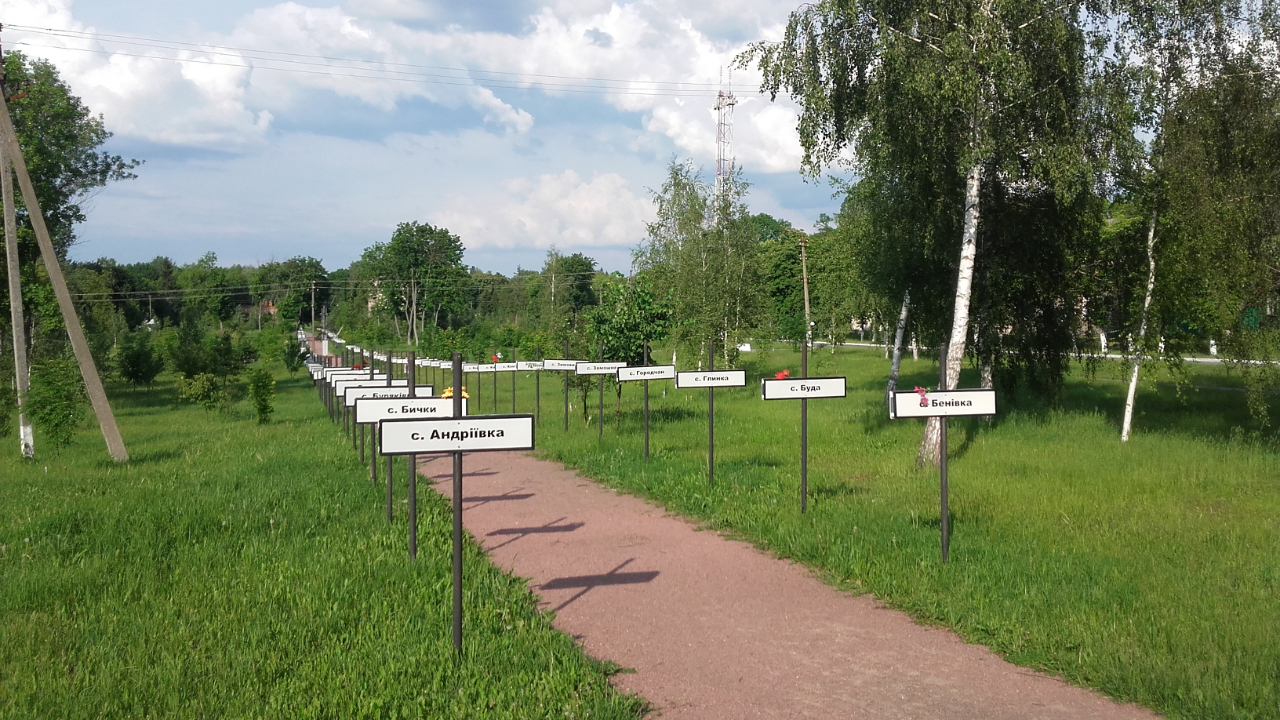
x=487, y=368
x=331, y=371
x=569, y=365
x=949, y=403
x=340, y=388
x=802, y=388
x=529, y=365
x=479, y=433
x=470, y=367
x=711, y=378
x=352, y=394
x=647, y=372
x=507, y=367
x=373, y=410
x=600, y=368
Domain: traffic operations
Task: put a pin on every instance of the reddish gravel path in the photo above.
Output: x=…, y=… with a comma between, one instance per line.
x=716, y=629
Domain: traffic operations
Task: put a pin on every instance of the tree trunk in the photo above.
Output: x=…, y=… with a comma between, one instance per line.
x=897, y=347
x=1140, y=349
x=22, y=379
x=960, y=315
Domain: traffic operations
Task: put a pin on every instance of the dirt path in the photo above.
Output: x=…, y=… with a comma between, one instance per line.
x=717, y=629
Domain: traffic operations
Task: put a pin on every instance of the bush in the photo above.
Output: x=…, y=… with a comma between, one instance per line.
x=262, y=392
x=205, y=390
x=139, y=361
x=294, y=357
x=56, y=401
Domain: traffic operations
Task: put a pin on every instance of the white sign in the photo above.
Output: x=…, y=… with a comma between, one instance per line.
x=802, y=388
x=950, y=403
x=569, y=365
x=507, y=367
x=483, y=432
x=331, y=371
x=647, y=372
x=711, y=378
x=340, y=388
x=353, y=348
x=371, y=410
x=353, y=394
x=487, y=368
x=600, y=368
x=399, y=390
x=524, y=365
x=470, y=367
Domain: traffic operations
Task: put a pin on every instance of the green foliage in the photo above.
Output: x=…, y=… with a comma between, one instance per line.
x=138, y=361
x=262, y=393
x=293, y=356
x=628, y=316
x=56, y=402
x=205, y=390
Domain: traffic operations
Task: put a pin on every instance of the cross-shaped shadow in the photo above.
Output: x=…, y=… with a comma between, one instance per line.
x=520, y=532
x=586, y=582
x=486, y=499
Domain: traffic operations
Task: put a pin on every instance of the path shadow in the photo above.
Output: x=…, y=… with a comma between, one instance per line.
x=486, y=499
x=522, y=532
x=587, y=582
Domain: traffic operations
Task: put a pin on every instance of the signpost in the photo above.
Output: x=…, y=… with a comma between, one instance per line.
x=565, y=366
x=942, y=404
x=711, y=379
x=646, y=373
x=455, y=435
x=802, y=389
x=600, y=368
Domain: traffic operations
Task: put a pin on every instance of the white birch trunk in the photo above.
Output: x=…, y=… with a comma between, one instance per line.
x=960, y=315
x=897, y=347
x=1140, y=349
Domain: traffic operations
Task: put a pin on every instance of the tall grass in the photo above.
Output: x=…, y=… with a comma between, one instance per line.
x=240, y=570
x=1148, y=570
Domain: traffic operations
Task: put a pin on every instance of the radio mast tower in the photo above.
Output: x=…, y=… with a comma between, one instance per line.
x=724, y=134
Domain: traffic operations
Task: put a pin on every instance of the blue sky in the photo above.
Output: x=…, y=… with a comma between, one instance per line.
x=516, y=151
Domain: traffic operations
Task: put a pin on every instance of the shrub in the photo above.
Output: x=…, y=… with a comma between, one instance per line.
x=262, y=392
x=294, y=357
x=205, y=390
x=56, y=401
x=139, y=361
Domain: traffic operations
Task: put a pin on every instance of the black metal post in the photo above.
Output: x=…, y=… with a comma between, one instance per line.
x=362, y=444
x=600, y=358
x=495, y=388
x=566, y=388
x=942, y=460
x=373, y=455
x=537, y=389
x=389, y=500
x=412, y=368
x=711, y=416
x=646, y=406
x=513, y=381
x=804, y=429
x=457, y=512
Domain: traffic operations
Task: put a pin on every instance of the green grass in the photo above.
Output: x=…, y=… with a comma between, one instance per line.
x=238, y=570
x=1150, y=571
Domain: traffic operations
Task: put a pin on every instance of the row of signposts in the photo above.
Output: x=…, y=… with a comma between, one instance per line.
x=404, y=418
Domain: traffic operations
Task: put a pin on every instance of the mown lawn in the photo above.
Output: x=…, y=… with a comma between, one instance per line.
x=1150, y=571
x=238, y=570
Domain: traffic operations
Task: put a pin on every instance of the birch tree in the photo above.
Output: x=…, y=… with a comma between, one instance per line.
x=980, y=88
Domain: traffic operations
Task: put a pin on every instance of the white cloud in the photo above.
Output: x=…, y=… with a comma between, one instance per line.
x=562, y=210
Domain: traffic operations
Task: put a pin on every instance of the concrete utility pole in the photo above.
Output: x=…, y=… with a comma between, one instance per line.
x=26, y=439
x=88, y=370
x=313, y=307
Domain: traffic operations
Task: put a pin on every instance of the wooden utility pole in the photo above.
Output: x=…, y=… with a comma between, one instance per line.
x=26, y=439
x=88, y=370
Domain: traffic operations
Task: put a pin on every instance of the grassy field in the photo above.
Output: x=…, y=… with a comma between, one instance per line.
x=238, y=570
x=1150, y=571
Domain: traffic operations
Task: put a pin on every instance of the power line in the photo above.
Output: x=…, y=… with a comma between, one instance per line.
x=299, y=63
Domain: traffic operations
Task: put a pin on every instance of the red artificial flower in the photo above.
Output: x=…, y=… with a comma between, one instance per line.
x=782, y=375
x=495, y=358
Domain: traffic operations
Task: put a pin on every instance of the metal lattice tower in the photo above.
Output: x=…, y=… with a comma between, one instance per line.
x=724, y=136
